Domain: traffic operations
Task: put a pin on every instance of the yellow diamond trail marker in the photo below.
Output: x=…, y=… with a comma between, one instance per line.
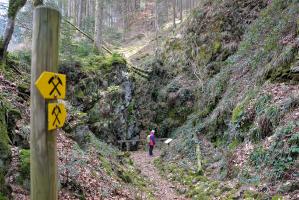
x=51, y=85
x=56, y=115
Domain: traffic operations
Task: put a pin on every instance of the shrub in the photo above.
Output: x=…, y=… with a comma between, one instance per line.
x=257, y=157
x=278, y=157
x=261, y=103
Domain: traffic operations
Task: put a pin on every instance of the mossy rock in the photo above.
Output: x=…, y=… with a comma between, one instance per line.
x=104, y=63
x=24, y=176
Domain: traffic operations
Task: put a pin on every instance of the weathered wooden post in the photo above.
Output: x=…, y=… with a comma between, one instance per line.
x=43, y=161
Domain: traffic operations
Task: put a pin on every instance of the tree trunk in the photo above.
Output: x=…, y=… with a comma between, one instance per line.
x=7, y=37
x=181, y=10
x=92, y=8
x=99, y=24
x=13, y=9
x=125, y=18
x=174, y=12
x=69, y=8
x=43, y=150
x=37, y=2
x=79, y=14
x=165, y=10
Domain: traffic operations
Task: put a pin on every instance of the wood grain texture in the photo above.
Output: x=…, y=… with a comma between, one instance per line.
x=43, y=167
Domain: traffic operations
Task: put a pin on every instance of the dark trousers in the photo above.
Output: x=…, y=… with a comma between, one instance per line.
x=151, y=148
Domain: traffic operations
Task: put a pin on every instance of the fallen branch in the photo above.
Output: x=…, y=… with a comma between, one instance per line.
x=130, y=65
x=86, y=34
x=16, y=69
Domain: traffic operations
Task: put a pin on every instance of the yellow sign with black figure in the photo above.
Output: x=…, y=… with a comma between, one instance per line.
x=56, y=115
x=52, y=85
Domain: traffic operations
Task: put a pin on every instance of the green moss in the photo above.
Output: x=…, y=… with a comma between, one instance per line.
x=25, y=163
x=280, y=70
x=113, y=60
x=2, y=197
x=106, y=165
x=277, y=197
x=207, y=110
x=237, y=113
x=130, y=176
x=4, y=139
x=79, y=93
x=261, y=103
x=114, y=89
x=131, y=107
x=248, y=194
x=294, y=140
x=234, y=144
x=217, y=46
x=204, y=56
x=199, y=186
x=105, y=63
x=273, y=113
x=277, y=157
x=179, y=113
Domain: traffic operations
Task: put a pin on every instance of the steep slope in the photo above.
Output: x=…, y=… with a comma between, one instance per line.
x=89, y=167
x=228, y=82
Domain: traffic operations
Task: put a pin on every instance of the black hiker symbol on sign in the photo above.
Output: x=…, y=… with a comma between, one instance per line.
x=56, y=111
x=55, y=81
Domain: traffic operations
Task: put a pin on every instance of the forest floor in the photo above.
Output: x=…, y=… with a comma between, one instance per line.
x=162, y=188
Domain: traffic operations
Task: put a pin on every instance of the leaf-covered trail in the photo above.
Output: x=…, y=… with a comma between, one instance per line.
x=162, y=189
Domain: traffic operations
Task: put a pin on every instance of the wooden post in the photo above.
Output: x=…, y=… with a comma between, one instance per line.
x=43, y=161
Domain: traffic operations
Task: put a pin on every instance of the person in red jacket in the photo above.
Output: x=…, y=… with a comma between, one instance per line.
x=151, y=142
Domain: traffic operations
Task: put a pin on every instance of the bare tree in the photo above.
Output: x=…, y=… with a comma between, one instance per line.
x=174, y=12
x=98, y=38
x=13, y=9
x=181, y=10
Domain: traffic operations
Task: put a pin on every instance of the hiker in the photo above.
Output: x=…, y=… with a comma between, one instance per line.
x=151, y=142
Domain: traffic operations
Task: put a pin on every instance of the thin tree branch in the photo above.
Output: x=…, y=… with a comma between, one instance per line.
x=85, y=34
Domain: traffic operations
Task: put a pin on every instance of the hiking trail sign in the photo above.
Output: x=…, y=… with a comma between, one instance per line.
x=56, y=115
x=51, y=85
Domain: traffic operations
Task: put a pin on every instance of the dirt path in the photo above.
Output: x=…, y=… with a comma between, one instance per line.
x=162, y=188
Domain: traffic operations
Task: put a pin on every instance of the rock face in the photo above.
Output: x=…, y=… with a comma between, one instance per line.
x=105, y=96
